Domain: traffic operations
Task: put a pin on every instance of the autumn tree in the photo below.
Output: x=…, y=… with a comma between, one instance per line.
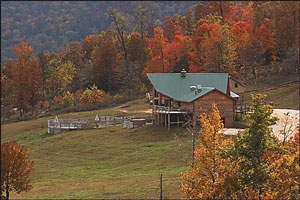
x=176, y=53
x=242, y=11
x=59, y=75
x=255, y=148
x=103, y=65
x=6, y=87
x=43, y=61
x=120, y=23
x=247, y=47
x=137, y=49
x=75, y=54
x=284, y=180
x=286, y=24
x=190, y=23
x=169, y=28
x=206, y=175
x=93, y=95
x=90, y=44
x=220, y=8
x=201, y=11
x=214, y=47
x=16, y=168
x=138, y=56
x=265, y=36
x=156, y=46
x=25, y=78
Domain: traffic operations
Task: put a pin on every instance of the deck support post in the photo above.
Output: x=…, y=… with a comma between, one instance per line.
x=169, y=121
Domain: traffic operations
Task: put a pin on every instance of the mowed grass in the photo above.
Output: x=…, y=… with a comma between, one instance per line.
x=107, y=163
x=286, y=97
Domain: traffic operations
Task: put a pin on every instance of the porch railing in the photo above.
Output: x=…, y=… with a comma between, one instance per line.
x=167, y=109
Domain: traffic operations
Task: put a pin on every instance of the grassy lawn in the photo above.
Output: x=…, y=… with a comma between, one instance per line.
x=286, y=97
x=109, y=163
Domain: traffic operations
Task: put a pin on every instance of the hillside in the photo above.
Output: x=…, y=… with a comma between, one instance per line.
x=108, y=163
x=54, y=24
x=282, y=90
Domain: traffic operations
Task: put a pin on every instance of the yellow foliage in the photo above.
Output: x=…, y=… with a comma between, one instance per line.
x=93, y=95
x=64, y=101
x=207, y=174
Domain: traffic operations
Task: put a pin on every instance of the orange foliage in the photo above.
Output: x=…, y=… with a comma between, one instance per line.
x=26, y=77
x=264, y=35
x=15, y=168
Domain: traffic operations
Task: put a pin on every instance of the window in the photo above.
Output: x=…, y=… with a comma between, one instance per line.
x=155, y=93
x=235, y=85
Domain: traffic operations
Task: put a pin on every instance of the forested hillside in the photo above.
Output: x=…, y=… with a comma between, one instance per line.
x=106, y=49
x=53, y=24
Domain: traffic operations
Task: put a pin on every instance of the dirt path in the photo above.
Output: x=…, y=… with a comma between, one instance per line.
x=288, y=121
x=137, y=111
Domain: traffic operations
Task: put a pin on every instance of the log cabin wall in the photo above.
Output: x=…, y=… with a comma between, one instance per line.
x=237, y=88
x=224, y=103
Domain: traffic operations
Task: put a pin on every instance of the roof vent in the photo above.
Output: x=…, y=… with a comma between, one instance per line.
x=183, y=73
x=199, y=87
x=192, y=88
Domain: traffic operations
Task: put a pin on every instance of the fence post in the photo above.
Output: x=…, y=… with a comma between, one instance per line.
x=160, y=195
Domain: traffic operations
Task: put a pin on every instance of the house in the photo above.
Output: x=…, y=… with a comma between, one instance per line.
x=178, y=97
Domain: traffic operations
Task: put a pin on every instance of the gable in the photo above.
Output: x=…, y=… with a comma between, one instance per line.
x=190, y=87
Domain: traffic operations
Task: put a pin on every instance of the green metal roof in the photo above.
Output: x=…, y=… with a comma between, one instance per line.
x=179, y=88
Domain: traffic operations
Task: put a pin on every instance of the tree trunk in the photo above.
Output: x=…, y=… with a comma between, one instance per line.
x=7, y=192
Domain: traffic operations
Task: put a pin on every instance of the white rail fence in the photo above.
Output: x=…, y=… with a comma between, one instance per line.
x=58, y=125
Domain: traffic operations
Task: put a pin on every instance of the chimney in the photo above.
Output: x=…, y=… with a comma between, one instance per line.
x=183, y=73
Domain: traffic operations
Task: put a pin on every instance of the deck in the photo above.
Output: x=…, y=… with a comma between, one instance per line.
x=168, y=110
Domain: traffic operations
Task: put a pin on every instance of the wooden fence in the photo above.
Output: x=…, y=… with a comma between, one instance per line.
x=58, y=125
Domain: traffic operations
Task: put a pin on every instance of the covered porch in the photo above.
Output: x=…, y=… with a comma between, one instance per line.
x=167, y=116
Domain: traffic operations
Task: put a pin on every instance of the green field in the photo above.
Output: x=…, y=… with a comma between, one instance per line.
x=112, y=162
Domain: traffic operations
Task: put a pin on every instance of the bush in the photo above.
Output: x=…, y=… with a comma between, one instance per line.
x=93, y=95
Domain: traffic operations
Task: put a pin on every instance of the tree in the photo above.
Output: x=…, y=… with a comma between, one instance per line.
x=93, y=95
x=156, y=45
x=176, y=53
x=286, y=21
x=26, y=78
x=206, y=176
x=170, y=28
x=265, y=36
x=6, y=86
x=120, y=22
x=141, y=15
x=247, y=46
x=221, y=8
x=214, y=47
x=58, y=75
x=256, y=148
x=16, y=168
x=43, y=60
x=103, y=66
x=75, y=54
x=284, y=180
